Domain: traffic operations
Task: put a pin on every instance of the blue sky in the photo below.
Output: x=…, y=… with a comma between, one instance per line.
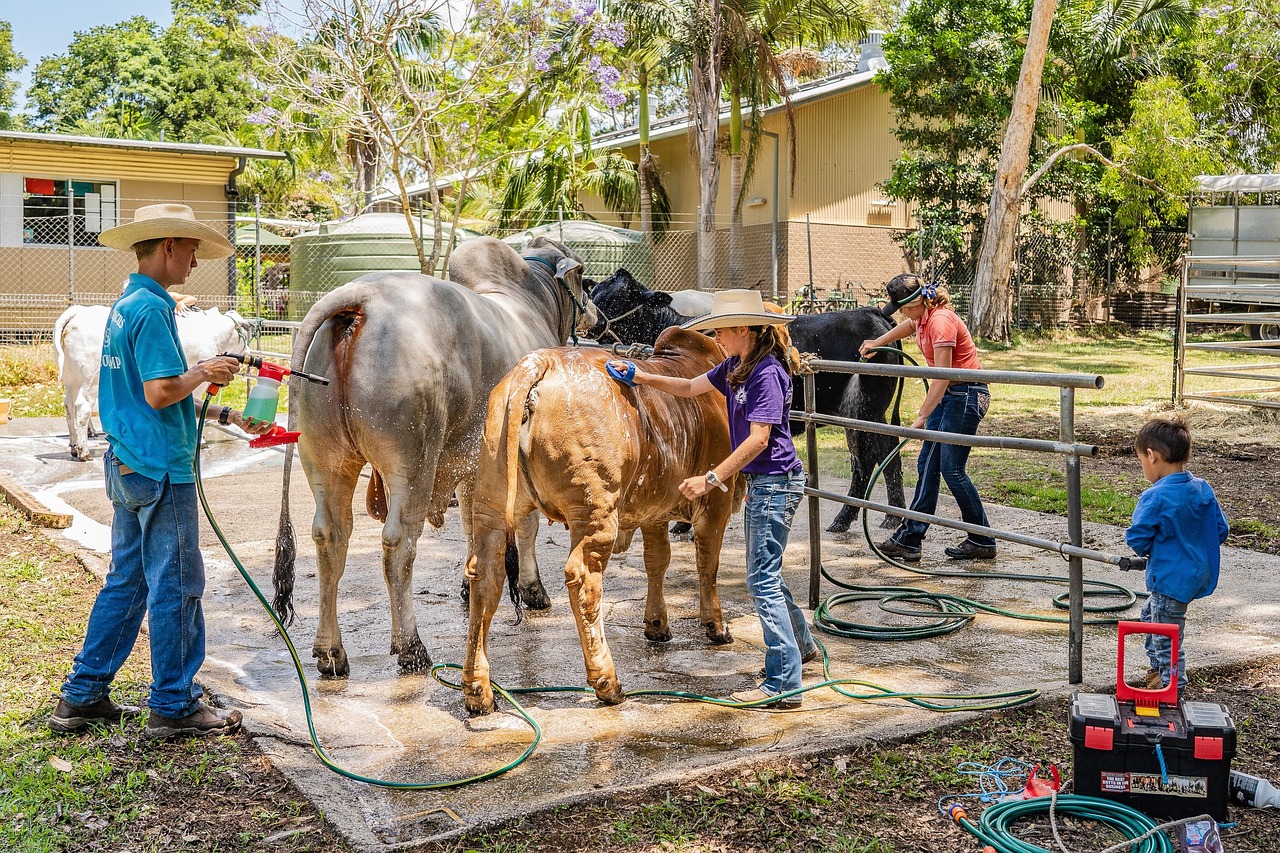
x=45, y=27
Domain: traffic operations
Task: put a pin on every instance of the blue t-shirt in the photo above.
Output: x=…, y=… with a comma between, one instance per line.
x=1179, y=527
x=765, y=398
x=141, y=343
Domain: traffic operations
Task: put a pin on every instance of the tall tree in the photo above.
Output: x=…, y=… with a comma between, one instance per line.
x=992, y=303
x=11, y=62
x=706, y=49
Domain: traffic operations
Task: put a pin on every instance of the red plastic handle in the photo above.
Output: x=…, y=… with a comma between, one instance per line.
x=1166, y=695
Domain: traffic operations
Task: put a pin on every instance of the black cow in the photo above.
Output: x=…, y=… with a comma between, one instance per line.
x=630, y=313
x=638, y=315
x=836, y=336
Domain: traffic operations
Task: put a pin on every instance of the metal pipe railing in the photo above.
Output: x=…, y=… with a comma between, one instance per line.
x=1066, y=446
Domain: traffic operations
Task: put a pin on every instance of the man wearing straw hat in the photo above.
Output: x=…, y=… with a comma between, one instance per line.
x=150, y=421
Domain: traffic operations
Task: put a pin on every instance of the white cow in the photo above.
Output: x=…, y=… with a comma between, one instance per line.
x=77, y=345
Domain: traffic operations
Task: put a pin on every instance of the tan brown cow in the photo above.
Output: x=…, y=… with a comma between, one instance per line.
x=604, y=459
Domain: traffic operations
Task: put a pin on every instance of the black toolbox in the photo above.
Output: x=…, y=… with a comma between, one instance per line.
x=1145, y=749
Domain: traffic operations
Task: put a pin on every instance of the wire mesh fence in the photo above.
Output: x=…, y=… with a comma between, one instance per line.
x=282, y=267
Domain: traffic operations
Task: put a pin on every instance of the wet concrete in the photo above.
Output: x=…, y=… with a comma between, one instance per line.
x=407, y=727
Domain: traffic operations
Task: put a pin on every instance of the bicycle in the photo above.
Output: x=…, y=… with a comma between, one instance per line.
x=806, y=302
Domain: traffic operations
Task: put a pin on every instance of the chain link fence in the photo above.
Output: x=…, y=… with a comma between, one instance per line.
x=283, y=266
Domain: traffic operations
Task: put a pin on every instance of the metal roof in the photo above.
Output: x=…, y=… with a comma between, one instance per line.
x=142, y=145
x=1238, y=183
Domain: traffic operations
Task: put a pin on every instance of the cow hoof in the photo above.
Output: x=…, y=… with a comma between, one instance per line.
x=535, y=596
x=681, y=531
x=837, y=527
x=609, y=691
x=657, y=632
x=891, y=522
x=478, y=703
x=82, y=455
x=415, y=658
x=332, y=662
x=465, y=593
x=718, y=634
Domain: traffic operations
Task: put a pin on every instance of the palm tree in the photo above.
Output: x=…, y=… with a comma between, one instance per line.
x=756, y=74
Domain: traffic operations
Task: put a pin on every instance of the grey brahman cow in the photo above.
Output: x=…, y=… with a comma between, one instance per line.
x=411, y=360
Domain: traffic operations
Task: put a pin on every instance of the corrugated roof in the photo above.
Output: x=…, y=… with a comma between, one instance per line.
x=141, y=145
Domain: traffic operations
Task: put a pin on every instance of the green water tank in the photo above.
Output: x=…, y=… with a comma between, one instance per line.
x=339, y=252
x=603, y=248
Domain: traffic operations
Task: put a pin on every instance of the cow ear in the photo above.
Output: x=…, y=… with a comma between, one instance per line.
x=567, y=265
x=658, y=298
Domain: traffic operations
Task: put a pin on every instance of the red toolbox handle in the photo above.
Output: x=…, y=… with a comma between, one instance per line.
x=1167, y=695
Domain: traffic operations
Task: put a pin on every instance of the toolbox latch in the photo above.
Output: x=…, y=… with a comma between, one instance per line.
x=1097, y=737
x=1208, y=748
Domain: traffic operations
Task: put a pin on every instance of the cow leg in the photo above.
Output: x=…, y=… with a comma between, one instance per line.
x=79, y=418
x=708, y=527
x=532, y=592
x=657, y=557
x=399, y=548
x=485, y=574
x=858, y=477
x=584, y=576
x=331, y=531
x=464, y=492
x=892, y=481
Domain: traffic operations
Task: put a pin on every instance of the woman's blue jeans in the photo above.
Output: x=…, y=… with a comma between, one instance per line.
x=156, y=569
x=771, y=505
x=963, y=407
x=1166, y=611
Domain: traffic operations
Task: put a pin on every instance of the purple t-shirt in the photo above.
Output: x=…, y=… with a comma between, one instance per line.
x=765, y=398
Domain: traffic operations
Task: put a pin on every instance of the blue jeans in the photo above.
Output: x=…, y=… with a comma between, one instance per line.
x=962, y=408
x=156, y=569
x=1166, y=611
x=771, y=505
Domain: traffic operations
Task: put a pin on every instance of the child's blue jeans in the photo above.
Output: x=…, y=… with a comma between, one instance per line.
x=1167, y=611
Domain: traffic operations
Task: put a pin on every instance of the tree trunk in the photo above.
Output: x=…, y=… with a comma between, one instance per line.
x=991, y=307
x=644, y=167
x=736, y=165
x=704, y=92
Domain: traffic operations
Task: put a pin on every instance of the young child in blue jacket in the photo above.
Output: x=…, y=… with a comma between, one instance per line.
x=1179, y=527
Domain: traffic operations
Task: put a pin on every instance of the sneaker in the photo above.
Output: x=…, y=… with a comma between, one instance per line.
x=968, y=550
x=766, y=700
x=808, y=657
x=69, y=718
x=893, y=548
x=203, y=721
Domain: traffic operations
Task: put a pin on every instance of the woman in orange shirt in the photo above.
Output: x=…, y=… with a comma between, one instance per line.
x=956, y=407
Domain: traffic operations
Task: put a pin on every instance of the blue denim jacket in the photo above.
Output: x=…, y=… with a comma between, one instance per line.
x=1178, y=526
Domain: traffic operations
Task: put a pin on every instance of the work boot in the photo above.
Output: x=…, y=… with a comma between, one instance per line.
x=757, y=695
x=893, y=548
x=1153, y=680
x=203, y=721
x=970, y=550
x=68, y=718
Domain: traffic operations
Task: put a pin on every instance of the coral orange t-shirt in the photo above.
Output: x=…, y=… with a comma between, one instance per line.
x=942, y=327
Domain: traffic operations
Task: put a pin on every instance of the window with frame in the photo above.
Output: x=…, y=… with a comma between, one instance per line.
x=61, y=212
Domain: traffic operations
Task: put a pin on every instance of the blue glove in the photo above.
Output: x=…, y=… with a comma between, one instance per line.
x=626, y=377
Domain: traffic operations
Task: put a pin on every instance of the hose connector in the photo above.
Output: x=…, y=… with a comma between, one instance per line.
x=957, y=813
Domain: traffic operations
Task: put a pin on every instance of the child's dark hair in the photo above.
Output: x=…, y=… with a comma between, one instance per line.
x=904, y=287
x=769, y=339
x=1170, y=438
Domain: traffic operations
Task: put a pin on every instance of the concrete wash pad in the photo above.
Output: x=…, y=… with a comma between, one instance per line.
x=406, y=727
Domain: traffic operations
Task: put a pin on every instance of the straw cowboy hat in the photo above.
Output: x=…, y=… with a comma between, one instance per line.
x=737, y=308
x=168, y=220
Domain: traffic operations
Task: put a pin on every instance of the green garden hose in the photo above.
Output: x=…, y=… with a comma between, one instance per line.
x=995, y=826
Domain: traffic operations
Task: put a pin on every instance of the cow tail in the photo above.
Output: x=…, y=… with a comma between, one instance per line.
x=58, y=354
x=286, y=542
x=504, y=425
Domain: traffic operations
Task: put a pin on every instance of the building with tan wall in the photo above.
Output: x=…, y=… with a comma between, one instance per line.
x=57, y=192
x=834, y=225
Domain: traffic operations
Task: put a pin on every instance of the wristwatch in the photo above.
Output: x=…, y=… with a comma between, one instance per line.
x=224, y=417
x=713, y=480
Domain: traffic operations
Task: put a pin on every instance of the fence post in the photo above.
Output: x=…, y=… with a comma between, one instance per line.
x=1075, y=565
x=811, y=478
x=71, y=243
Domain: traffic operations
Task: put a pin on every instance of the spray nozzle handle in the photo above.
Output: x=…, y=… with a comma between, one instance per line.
x=275, y=371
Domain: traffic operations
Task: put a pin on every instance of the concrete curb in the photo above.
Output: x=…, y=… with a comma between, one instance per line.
x=35, y=511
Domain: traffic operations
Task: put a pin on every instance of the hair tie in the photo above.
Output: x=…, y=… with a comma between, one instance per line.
x=929, y=291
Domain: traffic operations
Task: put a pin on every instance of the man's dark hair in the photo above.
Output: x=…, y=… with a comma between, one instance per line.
x=1170, y=438
x=147, y=247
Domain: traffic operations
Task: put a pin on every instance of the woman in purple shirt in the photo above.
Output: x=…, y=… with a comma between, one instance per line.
x=756, y=382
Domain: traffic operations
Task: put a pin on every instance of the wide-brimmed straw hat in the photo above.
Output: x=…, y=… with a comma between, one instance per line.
x=737, y=308
x=155, y=221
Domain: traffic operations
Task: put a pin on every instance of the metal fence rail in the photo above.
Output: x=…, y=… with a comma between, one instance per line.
x=1072, y=549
